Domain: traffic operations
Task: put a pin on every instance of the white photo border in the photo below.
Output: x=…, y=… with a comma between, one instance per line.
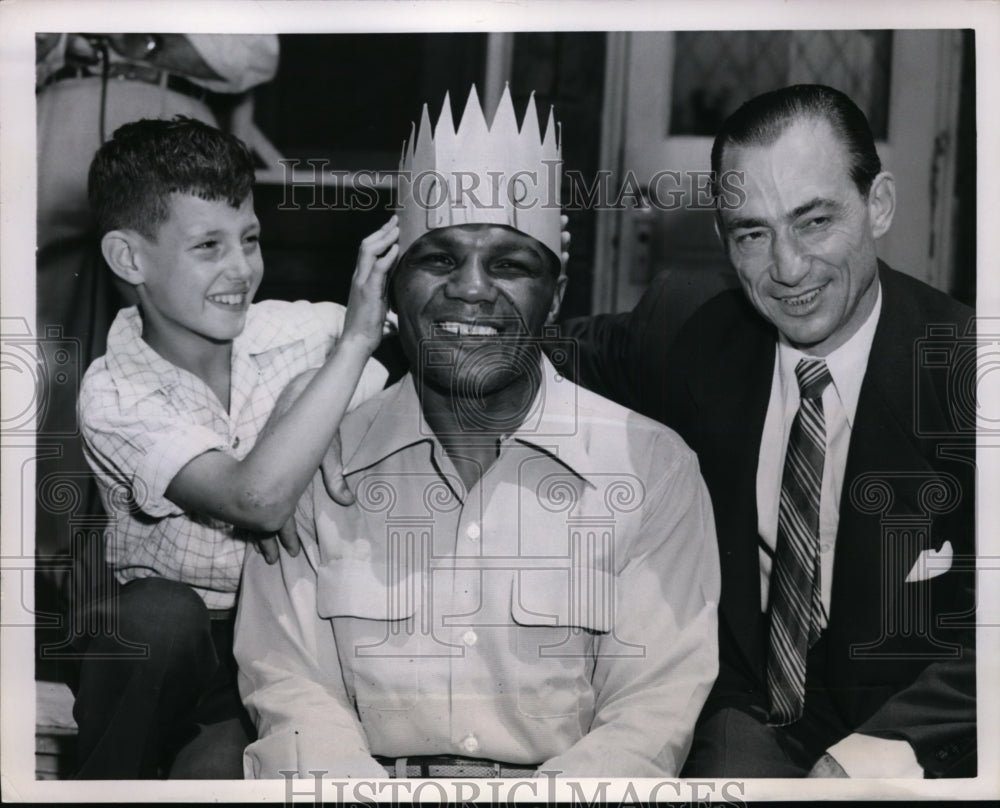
x=20, y=19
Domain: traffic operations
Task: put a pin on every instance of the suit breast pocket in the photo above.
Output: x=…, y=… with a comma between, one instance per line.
x=931, y=563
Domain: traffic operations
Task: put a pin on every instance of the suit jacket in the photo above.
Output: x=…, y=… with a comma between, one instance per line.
x=899, y=655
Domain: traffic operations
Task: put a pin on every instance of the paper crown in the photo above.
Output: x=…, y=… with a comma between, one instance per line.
x=481, y=174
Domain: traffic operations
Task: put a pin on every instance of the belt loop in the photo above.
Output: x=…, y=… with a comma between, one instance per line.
x=497, y=769
x=401, y=768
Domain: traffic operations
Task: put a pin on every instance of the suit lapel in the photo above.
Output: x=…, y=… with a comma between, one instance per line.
x=732, y=399
x=882, y=451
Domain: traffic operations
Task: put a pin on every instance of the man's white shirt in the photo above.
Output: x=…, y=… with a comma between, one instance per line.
x=847, y=365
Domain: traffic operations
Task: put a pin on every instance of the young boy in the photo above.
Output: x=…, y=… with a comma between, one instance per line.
x=172, y=419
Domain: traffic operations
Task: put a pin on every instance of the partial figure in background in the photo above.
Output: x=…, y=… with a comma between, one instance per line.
x=90, y=84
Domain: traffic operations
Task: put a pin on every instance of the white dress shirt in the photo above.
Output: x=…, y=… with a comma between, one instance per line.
x=847, y=365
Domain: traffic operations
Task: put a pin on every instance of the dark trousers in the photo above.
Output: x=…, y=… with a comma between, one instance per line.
x=733, y=739
x=159, y=696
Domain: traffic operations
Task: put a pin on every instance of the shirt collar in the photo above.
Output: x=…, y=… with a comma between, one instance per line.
x=397, y=424
x=551, y=426
x=847, y=364
x=139, y=371
x=265, y=331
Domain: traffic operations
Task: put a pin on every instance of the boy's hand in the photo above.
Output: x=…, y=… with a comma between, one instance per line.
x=333, y=474
x=289, y=538
x=367, y=305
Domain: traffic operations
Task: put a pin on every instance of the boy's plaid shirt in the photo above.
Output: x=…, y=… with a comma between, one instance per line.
x=143, y=419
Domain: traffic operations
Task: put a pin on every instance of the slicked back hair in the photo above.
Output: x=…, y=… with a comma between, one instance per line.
x=762, y=120
x=133, y=175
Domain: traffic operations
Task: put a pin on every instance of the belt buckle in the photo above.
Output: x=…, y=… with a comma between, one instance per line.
x=463, y=767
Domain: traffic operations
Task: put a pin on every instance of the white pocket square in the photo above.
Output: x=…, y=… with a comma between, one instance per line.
x=931, y=563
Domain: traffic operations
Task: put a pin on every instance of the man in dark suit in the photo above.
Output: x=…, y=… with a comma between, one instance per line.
x=818, y=402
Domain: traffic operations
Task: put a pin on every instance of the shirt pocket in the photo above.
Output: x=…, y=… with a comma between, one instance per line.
x=557, y=615
x=376, y=628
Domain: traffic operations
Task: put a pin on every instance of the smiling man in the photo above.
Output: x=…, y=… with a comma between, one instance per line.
x=803, y=242
x=528, y=577
x=846, y=640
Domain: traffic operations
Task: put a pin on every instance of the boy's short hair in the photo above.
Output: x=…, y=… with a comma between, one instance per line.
x=133, y=174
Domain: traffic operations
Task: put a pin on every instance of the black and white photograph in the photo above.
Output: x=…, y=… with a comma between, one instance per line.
x=499, y=401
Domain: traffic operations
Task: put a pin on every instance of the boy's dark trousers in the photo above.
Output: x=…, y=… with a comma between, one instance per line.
x=159, y=697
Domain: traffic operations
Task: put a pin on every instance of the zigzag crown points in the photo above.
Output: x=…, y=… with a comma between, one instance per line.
x=496, y=173
x=472, y=126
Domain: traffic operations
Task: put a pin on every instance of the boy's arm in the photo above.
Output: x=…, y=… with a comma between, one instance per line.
x=259, y=492
x=332, y=468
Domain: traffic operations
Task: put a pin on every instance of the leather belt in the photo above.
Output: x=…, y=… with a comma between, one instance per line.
x=456, y=767
x=132, y=71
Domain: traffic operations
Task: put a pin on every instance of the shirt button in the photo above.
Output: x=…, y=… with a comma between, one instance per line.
x=472, y=531
x=470, y=638
x=826, y=547
x=470, y=743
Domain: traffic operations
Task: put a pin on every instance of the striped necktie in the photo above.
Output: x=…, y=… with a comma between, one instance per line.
x=796, y=600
